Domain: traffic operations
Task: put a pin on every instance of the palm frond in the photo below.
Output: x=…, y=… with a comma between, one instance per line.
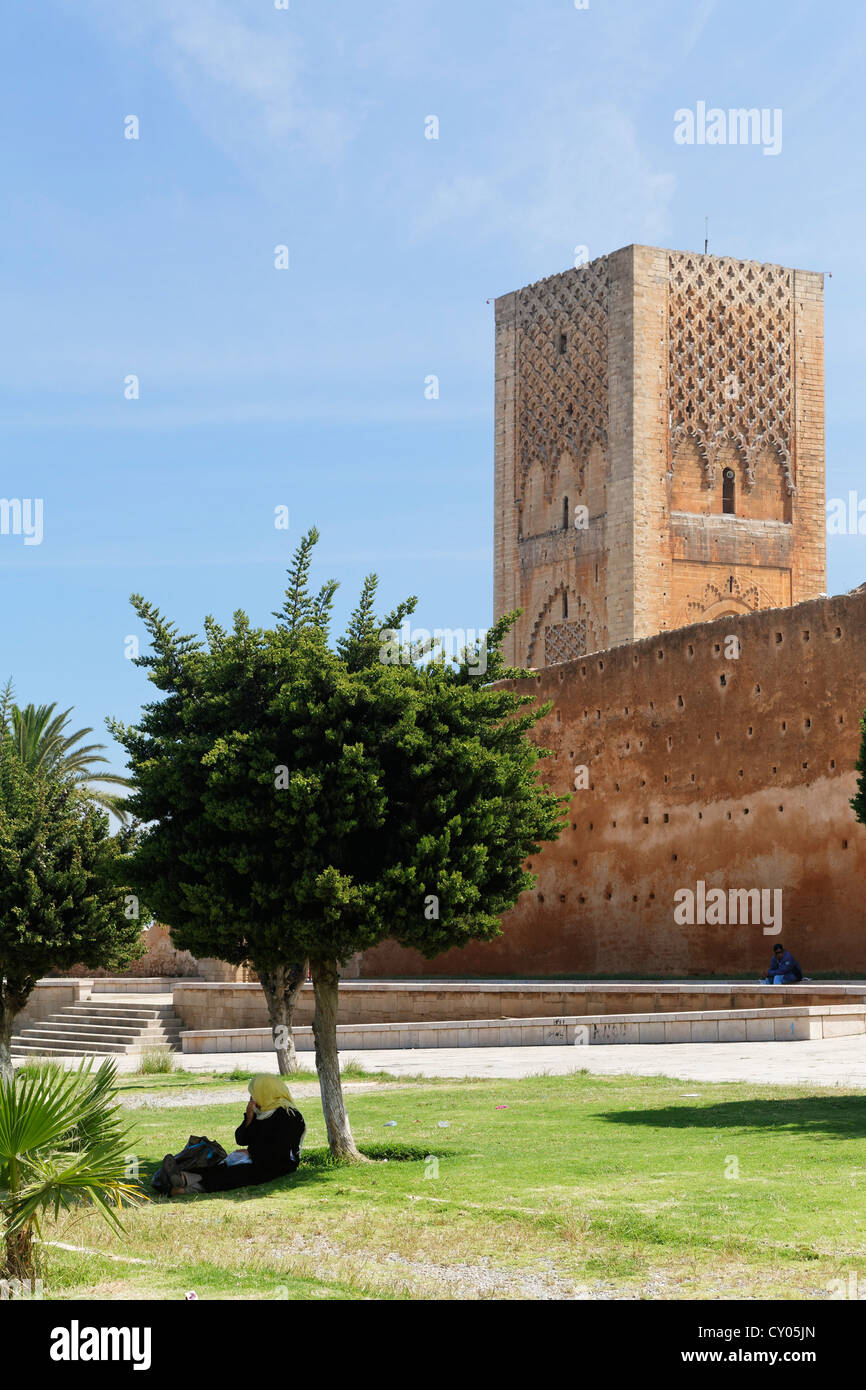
x=63, y=1140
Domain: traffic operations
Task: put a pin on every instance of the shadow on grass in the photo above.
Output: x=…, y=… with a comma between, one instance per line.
x=842, y=1117
x=316, y=1164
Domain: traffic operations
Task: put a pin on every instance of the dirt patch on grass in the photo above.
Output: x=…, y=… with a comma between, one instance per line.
x=229, y=1095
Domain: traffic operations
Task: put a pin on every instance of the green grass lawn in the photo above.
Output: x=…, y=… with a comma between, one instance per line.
x=616, y=1186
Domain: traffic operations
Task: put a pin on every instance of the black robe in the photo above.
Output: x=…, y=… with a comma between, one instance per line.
x=275, y=1149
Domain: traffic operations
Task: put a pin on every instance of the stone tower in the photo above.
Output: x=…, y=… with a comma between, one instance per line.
x=659, y=448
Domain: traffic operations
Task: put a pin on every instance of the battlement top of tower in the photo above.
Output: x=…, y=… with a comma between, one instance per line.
x=712, y=259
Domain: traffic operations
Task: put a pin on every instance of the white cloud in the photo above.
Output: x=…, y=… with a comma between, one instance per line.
x=572, y=177
x=240, y=69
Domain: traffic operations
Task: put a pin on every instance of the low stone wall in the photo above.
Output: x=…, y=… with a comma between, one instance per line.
x=719, y=1025
x=201, y=1004
x=127, y=984
x=210, y=1004
x=49, y=997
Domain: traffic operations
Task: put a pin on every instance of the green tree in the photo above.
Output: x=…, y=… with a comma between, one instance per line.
x=61, y=1143
x=43, y=743
x=858, y=802
x=62, y=899
x=306, y=802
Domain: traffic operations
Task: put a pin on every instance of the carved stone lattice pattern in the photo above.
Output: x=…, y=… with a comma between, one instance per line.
x=730, y=379
x=565, y=640
x=563, y=395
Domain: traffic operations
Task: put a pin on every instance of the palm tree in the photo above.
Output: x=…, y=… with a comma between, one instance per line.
x=43, y=744
x=61, y=1143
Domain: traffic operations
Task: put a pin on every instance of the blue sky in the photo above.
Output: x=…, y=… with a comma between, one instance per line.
x=305, y=387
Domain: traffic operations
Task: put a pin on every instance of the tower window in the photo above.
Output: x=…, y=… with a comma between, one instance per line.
x=565, y=513
x=563, y=344
x=564, y=604
x=728, y=491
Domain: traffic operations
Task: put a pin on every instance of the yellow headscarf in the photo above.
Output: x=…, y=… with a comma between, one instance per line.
x=269, y=1092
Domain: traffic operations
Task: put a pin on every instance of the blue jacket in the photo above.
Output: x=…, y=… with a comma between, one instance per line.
x=785, y=965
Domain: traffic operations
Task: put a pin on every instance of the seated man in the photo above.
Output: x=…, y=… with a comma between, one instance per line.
x=784, y=969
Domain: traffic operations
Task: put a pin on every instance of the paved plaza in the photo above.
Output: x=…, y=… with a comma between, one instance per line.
x=825, y=1062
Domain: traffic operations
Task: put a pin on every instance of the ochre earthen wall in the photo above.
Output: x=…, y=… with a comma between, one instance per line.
x=701, y=766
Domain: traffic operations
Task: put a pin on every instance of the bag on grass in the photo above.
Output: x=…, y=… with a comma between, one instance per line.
x=197, y=1154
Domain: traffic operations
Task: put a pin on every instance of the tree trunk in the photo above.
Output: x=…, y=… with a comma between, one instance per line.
x=282, y=986
x=19, y=1260
x=326, y=986
x=7, y=1018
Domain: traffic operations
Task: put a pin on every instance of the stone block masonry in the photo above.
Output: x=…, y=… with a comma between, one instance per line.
x=659, y=448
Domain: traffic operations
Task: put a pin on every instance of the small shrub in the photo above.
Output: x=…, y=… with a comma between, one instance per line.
x=156, y=1061
x=37, y=1066
x=352, y=1067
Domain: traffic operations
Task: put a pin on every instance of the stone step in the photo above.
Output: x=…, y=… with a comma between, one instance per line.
x=19, y=1050
x=121, y=1025
x=84, y=1047
x=49, y=1046
x=120, y=1020
x=99, y=1030
x=112, y=1020
x=120, y=1010
x=49, y=1030
x=91, y=1028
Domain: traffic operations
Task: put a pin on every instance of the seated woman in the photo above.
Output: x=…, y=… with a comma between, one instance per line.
x=272, y=1132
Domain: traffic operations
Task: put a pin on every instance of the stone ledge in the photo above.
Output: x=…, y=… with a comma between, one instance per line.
x=729, y=1025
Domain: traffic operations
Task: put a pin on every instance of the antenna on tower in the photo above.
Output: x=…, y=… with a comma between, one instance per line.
x=706, y=235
